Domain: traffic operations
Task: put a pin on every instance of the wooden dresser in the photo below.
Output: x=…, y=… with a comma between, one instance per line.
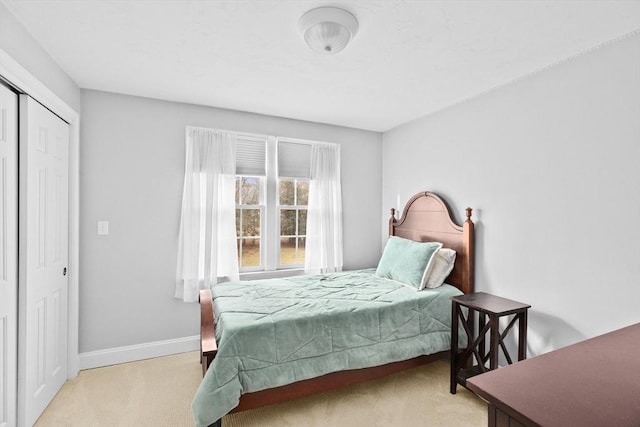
x=592, y=383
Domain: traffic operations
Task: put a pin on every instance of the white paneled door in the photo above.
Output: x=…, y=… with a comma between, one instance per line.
x=8, y=255
x=43, y=258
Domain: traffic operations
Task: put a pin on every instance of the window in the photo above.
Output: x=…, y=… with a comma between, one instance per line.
x=272, y=192
x=249, y=214
x=269, y=212
x=293, y=199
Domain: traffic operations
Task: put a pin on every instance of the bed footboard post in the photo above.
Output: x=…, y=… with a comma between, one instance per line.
x=208, y=344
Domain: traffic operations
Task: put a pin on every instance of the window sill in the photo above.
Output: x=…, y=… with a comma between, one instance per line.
x=257, y=275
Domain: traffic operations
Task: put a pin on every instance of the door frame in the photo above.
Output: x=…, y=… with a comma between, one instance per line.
x=23, y=80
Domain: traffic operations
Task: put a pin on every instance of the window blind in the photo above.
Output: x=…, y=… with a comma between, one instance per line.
x=294, y=159
x=251, y=155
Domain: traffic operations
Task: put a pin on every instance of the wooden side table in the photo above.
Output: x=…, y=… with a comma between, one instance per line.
x=472, y=360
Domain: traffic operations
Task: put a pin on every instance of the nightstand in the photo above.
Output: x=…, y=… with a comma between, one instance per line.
x=488, y=309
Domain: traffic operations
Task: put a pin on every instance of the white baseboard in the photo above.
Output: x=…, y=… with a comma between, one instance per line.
x=131, y=353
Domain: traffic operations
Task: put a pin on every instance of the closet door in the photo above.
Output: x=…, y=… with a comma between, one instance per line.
x=8, y=255
x=43, y=255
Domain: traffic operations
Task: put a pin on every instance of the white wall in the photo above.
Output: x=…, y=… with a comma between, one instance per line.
x=551, y=164
x=132, y=170
x=16, y=41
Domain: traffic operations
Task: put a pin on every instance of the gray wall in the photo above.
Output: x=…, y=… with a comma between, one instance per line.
x=24, y=49
x=551, y=164
x=132, y=170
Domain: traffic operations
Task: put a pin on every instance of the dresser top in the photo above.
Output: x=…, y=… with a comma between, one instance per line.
x=592, y=383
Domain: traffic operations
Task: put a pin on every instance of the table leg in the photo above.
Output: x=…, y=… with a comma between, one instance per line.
x=522, y=335
x=482, y=321
x=493, y=343
x=454, y=347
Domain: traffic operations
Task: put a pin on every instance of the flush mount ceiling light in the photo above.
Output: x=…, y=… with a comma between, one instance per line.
x=328, y=29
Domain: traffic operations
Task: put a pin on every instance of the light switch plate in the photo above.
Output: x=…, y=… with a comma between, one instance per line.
x=103, y=228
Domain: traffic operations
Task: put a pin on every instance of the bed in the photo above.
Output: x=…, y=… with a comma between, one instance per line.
x=269, y=341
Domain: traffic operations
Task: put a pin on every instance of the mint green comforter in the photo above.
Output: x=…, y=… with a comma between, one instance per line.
x=278, y=331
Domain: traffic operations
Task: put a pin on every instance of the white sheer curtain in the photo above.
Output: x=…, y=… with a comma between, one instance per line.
x=324, y=217
x=207, y=248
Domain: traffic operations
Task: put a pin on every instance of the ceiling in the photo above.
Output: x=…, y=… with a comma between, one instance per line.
x=409, y=58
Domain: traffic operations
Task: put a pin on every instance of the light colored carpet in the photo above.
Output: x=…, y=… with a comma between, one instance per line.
x=158, y=392
x=153, y=392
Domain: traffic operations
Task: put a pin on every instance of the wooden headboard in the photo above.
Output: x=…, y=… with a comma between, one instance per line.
x=427, y=218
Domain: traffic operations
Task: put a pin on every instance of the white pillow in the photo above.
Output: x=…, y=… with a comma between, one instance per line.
x=442, y=264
